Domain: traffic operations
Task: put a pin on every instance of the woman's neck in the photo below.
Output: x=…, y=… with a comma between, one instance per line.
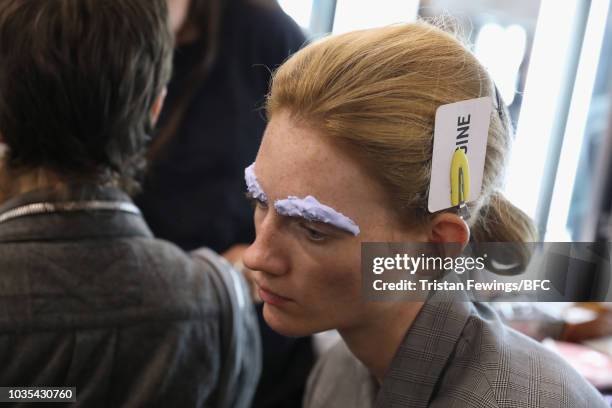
x=17, y=182
x=375, y=343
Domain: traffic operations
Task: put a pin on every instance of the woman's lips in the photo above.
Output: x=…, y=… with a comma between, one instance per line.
x=271, y=297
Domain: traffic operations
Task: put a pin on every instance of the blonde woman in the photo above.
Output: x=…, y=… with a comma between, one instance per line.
x=346, y=159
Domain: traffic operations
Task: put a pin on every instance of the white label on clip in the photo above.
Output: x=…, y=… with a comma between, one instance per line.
x=463, y=125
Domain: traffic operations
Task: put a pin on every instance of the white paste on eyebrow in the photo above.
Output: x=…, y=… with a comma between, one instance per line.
x=311, y=209
x=253, y=186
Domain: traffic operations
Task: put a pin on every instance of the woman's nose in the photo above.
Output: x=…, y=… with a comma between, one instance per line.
x=267, y=253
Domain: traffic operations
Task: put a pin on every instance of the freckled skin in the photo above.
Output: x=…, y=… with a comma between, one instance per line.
x=308, y=208
x=321, y=279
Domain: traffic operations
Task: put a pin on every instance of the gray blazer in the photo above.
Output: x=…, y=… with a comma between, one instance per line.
x=456, y=354
x=90, y=299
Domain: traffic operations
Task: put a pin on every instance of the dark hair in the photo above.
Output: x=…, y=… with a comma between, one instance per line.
x=78, y=79
x=206, y=17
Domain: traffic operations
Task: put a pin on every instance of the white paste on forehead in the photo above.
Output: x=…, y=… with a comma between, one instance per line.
x=253, y=186
x=311, y=209
x=308, y=208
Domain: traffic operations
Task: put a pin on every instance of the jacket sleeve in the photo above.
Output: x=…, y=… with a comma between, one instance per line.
x=240, y=338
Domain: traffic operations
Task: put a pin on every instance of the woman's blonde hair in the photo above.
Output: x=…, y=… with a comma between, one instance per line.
x=376, y=92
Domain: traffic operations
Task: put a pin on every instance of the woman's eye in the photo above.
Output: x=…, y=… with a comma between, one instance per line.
x=313, y=234
x=256, y=203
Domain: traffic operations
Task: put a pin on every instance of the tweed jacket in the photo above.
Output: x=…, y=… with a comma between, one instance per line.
x=89, y=299
x=456, y=354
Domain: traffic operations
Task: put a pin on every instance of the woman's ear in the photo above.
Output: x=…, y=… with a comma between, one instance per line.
x=448, y=228
x=155, y=109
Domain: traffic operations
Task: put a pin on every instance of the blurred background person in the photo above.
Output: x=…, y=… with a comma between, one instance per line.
x=209, y=131
x=211, y=124
x=88, y=297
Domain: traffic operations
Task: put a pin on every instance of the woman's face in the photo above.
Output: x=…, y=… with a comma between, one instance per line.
x=309, y=273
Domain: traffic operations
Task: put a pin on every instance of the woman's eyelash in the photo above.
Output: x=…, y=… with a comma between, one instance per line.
x=312, y=233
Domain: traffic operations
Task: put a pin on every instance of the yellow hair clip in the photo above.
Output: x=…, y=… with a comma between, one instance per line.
x=460, y=181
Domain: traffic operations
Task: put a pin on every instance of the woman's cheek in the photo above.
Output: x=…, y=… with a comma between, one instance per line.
x=341, y=278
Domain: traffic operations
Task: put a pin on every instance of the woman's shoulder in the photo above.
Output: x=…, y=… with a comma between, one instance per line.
x=493, y=362
x=339, y=379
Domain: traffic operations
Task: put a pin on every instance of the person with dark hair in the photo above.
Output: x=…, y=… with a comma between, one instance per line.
x=88, y=297
x=209, y=130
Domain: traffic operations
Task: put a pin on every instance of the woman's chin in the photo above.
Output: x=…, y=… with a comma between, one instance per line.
x=285, y=324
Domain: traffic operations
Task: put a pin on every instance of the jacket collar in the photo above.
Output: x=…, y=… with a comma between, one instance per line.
x=428, y=345
x=73, y=225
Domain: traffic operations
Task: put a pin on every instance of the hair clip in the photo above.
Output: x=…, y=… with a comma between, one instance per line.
x=460, y=182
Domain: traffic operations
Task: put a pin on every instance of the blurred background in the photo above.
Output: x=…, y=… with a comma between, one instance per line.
x=551, y=61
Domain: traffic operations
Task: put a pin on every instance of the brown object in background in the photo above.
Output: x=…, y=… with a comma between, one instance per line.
x=599, y=327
